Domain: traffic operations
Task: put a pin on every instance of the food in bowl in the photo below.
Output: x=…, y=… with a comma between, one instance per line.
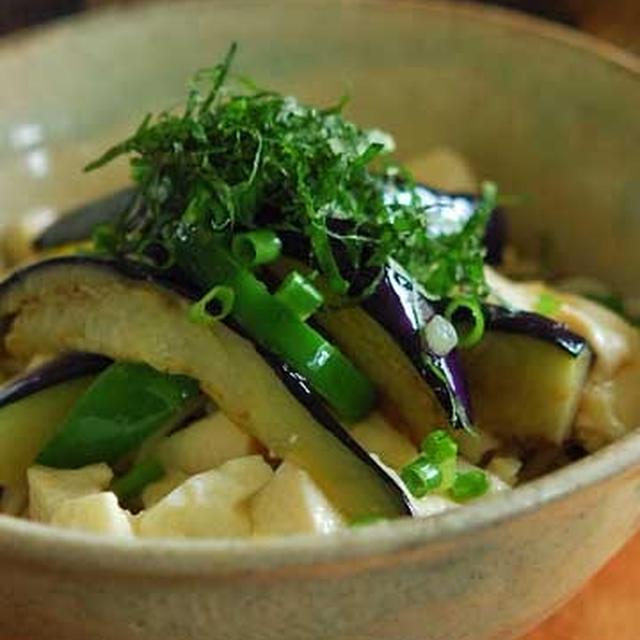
x=280, y=332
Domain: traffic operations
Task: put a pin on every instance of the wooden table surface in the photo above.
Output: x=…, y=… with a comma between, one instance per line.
x=606, y=608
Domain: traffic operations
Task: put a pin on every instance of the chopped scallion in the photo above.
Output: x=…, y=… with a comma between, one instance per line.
x=421, y=477
x=466, y=315
x=256, y=247
x=299, y=295
x=469, y=485
x=548, y=304
x=449, y=471
x=213, y=306
x=439, y=446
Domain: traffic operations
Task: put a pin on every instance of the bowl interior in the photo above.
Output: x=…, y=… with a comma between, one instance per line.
x=531, y=106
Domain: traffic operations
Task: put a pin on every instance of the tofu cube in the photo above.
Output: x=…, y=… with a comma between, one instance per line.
x=209, y=504
x=49, y=487
x=96, y=513
x=291, y=502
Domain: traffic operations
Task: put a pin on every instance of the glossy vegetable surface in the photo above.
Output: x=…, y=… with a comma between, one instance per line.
x=125, y=405
x=403, y=310
x=526, y=376
x=277, y=328
x=108, y=308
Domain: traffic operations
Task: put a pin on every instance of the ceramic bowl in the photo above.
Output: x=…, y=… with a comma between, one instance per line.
x=542, y=110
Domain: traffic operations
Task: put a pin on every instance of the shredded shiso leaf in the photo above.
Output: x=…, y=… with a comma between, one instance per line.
x=239, y=158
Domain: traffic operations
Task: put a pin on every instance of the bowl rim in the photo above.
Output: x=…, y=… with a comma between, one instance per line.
x=380, y=544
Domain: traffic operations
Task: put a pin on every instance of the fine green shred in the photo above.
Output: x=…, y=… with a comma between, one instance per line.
x=239, y=158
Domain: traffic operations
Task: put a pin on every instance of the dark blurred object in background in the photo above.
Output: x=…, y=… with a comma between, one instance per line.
x=551, y=9
x=615, y=20
x=21, y=13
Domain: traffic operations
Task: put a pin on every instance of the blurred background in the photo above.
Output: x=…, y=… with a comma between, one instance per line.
x=615, y=20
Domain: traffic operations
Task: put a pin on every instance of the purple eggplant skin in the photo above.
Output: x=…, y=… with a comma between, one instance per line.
x=78, y=224
x=402, y=312
x=295, y=383
x=61, y=369
x=300, y=389
x=499, y=318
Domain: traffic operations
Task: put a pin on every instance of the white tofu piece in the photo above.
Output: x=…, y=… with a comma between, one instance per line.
x=210, y=504
x=291, y=502
x=95, y=513
x=506, y=468
x=432, y=504
x=49, y=487
x=205, y=444
x=155, y=491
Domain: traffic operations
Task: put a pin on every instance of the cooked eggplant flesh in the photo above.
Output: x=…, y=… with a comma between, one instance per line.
x=524, y=388
x=78, y=303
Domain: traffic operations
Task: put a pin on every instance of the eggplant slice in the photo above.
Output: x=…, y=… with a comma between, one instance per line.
x=122, y=312
x=526, y=376
x=78, y=224
x=68, y=366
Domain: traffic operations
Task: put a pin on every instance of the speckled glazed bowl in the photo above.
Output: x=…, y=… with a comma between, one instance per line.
x=542, y=110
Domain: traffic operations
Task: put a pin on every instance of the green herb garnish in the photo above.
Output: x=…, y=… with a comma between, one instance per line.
x=240, y=158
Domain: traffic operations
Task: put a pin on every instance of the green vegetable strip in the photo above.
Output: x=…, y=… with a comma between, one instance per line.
x=137, y=478
x=125, y=405
x=274, y=326
x=256, y=247
x=297, y=293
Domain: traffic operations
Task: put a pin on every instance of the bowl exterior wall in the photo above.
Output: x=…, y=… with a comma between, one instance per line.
x=536, y=109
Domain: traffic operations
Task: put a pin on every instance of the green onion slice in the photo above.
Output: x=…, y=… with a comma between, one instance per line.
x=215, y=305
x=299, y=295
x=439, y=446
x=421, y=477
x=468, y=318
x=469, y=485
x=255, y=248
x=273, y=325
